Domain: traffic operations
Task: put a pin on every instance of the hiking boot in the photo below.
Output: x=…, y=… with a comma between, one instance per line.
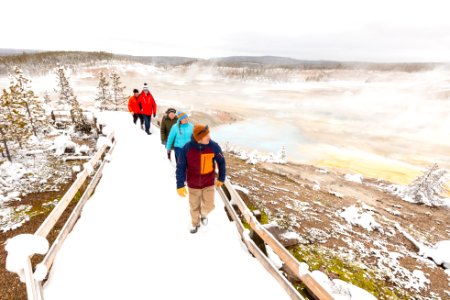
x=194, y=229
x=204, y=221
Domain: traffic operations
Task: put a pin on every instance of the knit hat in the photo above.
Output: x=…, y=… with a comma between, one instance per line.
x=171, y=110
x=145, y=88
x=200, y=131
x=182, y=115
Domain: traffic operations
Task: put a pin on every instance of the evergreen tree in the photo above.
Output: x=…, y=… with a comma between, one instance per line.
x=103, y=99
x=5, y=136
x=20, y=87
x=118, y=97
x=14, y=129
x=282, y=155
x=426, y=189
x=68, y=101
x=47, y=99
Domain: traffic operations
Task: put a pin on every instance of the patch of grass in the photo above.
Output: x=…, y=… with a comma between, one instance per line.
x=335, y=267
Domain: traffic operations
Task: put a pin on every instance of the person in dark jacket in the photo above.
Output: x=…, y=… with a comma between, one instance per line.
x=169, y=119
x=196, y=166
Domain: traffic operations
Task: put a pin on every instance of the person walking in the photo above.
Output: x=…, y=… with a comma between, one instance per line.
x=148, y=107
x=180, y=134
x=134, y=107
x=169, y=119
x=196, y=165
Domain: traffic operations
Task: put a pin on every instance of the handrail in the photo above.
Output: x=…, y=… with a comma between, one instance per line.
x=34, y=280
x=70, y=223
x=313, y=286
x=259, y=255
x=59, y=209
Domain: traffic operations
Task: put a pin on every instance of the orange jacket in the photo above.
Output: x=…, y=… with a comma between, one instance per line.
x=133, y=105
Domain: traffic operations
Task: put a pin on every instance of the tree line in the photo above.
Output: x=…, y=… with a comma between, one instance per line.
x=25, y=118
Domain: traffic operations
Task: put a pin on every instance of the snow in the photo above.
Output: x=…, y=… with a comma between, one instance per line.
x=420, y=278
x=11, y=172
x=253, y=157
x=19, y=248
x=89, y=168
x=274, y=258
x=440, y=253
x=63, y=143
x=83, y=149
x=146, y=250
x=354, y=178
x=13, y=217
x=103, y=141
x=341, y=290
x=242, y=189
x=336, y=194
x=316, y=186
x=359, y=217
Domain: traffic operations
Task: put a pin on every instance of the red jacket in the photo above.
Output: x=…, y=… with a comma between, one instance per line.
x=133, y=105
x=148, y=104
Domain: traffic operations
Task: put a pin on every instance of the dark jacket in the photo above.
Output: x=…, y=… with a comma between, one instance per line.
x=166, y=125
x=196, y=165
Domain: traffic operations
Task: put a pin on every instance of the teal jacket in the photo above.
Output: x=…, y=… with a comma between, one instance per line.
x=180, y=135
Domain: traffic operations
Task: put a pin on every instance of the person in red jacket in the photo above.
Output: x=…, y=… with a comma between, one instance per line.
x=148, y=107
x=135, y=108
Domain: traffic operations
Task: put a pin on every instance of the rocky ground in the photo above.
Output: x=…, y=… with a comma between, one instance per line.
x=368, y=251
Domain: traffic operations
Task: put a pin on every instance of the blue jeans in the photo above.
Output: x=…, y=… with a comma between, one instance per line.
x=148, y=122
x=177, y=153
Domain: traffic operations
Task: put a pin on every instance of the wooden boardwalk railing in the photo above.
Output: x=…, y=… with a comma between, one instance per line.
x=34, y=280
x=229, y=195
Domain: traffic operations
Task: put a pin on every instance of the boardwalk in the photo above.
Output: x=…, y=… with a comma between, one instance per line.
x=133, y=242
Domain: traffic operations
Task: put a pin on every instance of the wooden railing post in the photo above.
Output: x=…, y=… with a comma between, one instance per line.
x=255, y=237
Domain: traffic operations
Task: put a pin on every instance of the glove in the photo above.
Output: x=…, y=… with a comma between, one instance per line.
x=219, y=183
x=154, y=115
x=182, y=192
x=169, y=155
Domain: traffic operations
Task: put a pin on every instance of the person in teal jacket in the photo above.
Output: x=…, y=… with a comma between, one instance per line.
x=179, y=135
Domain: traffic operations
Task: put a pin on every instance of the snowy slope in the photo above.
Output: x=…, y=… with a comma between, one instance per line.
x=133, y=242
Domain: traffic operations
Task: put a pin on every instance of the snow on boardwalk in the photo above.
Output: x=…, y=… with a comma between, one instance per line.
x=133, y=242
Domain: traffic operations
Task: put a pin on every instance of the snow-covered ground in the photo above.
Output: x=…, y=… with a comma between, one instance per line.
x=133, y=242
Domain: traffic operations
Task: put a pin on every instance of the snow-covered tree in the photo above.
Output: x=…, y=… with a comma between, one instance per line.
x=64, y=91
x=47, y=99
x=118, y=97
x=103, y=99
x=68, y=101
x=427, y=188
x=14, y=128
x=21, y=90
x=283, y=154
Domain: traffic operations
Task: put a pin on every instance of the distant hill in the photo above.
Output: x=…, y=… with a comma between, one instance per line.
x=285, y=62
x=41, y=62
x=6, y=52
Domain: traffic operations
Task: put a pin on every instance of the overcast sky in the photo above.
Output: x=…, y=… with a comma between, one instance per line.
x=381, y=30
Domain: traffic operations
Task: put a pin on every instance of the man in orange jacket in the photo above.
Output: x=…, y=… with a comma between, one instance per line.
x=134, y=107
x=148, y=107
